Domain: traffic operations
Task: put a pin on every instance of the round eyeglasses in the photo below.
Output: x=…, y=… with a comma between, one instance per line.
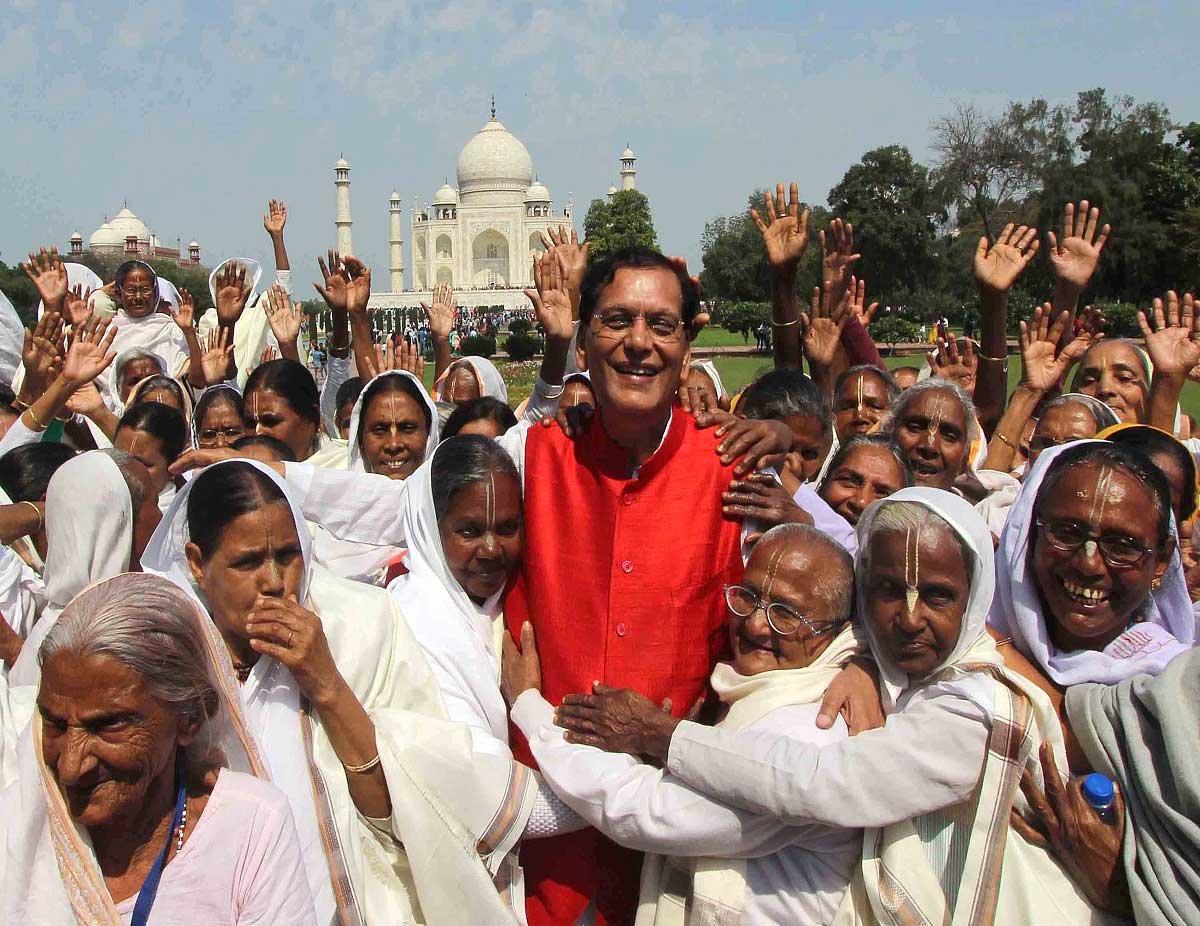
x=782, y=619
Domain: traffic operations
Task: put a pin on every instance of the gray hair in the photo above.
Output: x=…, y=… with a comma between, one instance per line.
x=838, y=590
x=149, y=626
x=910, y=516
x=934, y=383
x=1104, y=416
x=461, y=461
x=133, y=480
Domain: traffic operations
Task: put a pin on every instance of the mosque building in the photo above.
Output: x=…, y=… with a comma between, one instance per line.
x=125, y=235
x=480, y=236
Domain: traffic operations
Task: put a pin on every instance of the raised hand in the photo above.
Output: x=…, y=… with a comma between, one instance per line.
x=948, y=362
x=46, y=270
x=551, y=301
x=998, y=265
x=1074, y=258
x=275, y=218
x=76, y=308
x=268, y=354
x=42, y=352
x=837, y=254
x=185, y=315
x=441, y=312
x=858, y=308
x=358, y=285
x=572, y=256
x=702, y=317
x=90, y=353
x=217, y=357
x=1043, y=365
x=785, y=233
x=232, y=293
x=823, y=328
x=1171, y=343
x=404, y=357
x=85, y=400
x=283, y=317
x=334, y=291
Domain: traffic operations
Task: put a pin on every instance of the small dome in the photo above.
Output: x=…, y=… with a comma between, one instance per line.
x=395, y=197
x=342, y=164
x=126, y=224
x=193, y=244
x=537, y=193
x=612, y=190
x=446, y=196
x=627, y=154
x=75, y=236
x=106, y=237
x=494, y=159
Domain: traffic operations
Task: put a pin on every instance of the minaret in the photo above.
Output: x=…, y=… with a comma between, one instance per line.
x=628, y=171
x=341, y=172
x=397, y=244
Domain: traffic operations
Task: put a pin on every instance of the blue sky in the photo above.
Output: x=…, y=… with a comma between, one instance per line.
x=199, y=113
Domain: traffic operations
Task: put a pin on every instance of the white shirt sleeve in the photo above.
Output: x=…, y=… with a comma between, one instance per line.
x=642, y=807
x=283, y=278
x=337, y=371
x=926, y=757
x=543, y=401
x=18, y=436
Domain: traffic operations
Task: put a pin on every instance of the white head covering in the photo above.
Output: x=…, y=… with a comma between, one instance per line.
x=1167, y=627
x=254, y=273
x=195, y=423
x=977, y=539
x=252, y=332
x=710, y=370
x=112, y=391
x=12, y=337
x=454, y=632
x=168, y=293
x=77, y=275
x=357, y=462
x=89, y=537
x=49, y=865
x=491, y=383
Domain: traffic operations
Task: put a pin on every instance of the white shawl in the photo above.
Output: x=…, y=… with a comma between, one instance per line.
x=444, y=799
x=89, y=537
x=491, y=383
x=1167, y=627
x=252, y=332
x=356, y=461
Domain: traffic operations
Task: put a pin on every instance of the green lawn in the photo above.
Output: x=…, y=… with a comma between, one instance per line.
x=715, y=336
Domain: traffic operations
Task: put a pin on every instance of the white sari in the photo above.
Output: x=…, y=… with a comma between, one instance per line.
x=433, y=860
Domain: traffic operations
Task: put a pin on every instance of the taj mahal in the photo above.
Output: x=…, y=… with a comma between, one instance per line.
x=480, y=237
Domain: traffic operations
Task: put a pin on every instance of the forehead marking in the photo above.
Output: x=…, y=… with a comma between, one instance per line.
x=912, y=584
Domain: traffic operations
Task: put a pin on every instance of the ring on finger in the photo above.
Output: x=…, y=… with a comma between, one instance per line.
x=290, y=635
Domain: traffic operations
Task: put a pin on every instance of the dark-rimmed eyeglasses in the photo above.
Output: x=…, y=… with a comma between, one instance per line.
x=1117, y=550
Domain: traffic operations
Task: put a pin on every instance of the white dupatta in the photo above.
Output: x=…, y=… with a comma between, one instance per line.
x=491, y=383
x=431, y=860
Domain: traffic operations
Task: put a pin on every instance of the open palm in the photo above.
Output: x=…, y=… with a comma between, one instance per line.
x=1074, y=258
x=785, y=233
x=1171, y=344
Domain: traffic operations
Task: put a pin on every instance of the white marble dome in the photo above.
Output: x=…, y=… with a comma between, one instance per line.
x=537, y=193
x=125, y=223
x=446, y=196
x=494, y=159
x=106, y=237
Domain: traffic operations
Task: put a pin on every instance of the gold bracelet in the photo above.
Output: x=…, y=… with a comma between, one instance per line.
x=1005, y=440
x=362, y=769
x=775, y=324
x=33, y=415
x=983, y=356
x=38, y=512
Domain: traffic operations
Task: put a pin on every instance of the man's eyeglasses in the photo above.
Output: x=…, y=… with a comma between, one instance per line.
x=617, y=323
x=1116, y=549
x=783, y=620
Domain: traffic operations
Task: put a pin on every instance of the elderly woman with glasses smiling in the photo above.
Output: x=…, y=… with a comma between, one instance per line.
x=790, y=633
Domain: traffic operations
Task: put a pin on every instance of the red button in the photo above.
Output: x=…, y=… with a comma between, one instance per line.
x=627, y=567
x=621, y=630
x=627, y=499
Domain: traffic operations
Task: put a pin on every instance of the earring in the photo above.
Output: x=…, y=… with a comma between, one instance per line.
x=1156, y=583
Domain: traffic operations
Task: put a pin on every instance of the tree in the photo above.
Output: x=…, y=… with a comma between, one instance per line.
x=893, y=330
x=623, y=222
x=743, y=317
x=888, y=198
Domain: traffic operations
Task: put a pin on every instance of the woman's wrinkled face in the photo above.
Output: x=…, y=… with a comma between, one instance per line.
x=1058, y=425
x=482, y=534
x=1088, y=602
x=782, y=572
x=138, y=293
x=864, y=475
x=392, y=434
x=257, y=555
x=461, y=385
x=932, y=432
x=220, y=426
x=147, y=450
x=859, y=405
x=810, y=445
x=109, y=743
x=917, y=593
x=134, y=372
x=270, y=413
x=1114, y=373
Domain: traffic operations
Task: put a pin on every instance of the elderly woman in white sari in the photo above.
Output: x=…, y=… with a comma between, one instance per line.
x=392, y=809
x=218, y=420
x=139, y=789
x=140, y=326
x=470, y=378
x=89, y=542
x=790, y=635
x=937, y=843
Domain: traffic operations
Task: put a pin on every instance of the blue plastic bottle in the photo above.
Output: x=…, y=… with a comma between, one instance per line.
x=1098, y=791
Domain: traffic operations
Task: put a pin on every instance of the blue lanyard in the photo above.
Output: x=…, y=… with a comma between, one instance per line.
x=141, y=910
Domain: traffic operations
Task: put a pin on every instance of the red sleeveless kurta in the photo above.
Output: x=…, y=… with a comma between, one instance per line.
x=623, y=581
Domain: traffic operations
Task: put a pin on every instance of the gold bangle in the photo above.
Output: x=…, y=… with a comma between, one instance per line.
x=775, y=324
x=37, y=511
x=1005, y=440
x=983, y=356
x=33, y=416
x=362, y=769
